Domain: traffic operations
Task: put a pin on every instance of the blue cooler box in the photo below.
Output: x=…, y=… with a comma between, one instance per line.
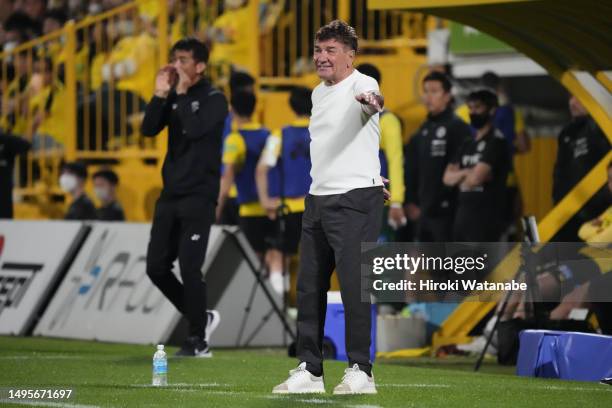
x=334, y=326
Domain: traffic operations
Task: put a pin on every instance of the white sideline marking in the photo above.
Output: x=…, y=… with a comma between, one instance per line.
x=47, y=404
x=184, y=385
x=42, y=357
x=414, y=385
x=315, y=401
x=234, y=393
x=559, y=388
x=290, y=397
x=363, y=406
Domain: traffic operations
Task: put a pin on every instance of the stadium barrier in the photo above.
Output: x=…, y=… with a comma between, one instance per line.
x=88, y=281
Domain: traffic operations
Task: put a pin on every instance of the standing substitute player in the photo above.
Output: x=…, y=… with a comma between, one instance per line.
x=343, y=209
x=194, y=112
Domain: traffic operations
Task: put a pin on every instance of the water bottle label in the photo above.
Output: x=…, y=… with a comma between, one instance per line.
x=160, y=367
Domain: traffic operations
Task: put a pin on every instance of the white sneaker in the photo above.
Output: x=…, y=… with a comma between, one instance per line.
x=355, y=381
x=277, y=282
x=300, y=381
x=213, y=318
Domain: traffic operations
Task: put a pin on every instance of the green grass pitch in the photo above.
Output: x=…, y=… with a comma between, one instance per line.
x=118, y=375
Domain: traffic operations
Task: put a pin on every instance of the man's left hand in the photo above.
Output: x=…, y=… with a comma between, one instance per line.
x=372, y=99
x=183, y=82
x=397, y=218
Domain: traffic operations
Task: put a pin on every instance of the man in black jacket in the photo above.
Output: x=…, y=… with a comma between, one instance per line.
x=105, y=183
x=479, y=170
x=429, y=203
x=10, y=146
x=194, y=112
x=582, y=144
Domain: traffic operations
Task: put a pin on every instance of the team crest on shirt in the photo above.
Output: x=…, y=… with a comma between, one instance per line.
x=174, y=106
x=481, y=146
x=195, y=105
x=581, y=147
x=441, y=132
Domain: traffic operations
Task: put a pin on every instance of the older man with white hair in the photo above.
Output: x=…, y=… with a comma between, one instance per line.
x=343, y=209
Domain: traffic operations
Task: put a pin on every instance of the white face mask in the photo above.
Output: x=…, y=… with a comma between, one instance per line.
x=94, y=8
x=9, y=46
x=68, y=182
x=102, y=193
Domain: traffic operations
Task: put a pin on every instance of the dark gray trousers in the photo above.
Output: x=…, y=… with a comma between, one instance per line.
x=333, y=228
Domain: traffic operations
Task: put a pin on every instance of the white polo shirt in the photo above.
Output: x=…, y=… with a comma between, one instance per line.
x=344, y=138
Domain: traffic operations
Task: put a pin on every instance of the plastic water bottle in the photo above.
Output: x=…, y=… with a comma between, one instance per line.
x=160, y=367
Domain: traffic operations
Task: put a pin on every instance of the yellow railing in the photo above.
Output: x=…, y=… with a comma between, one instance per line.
x=287, y=46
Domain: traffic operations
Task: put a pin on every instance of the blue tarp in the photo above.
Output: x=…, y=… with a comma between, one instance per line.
x=334, y=330
x=564, y=355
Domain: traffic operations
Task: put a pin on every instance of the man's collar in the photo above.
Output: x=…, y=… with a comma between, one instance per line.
x=302, y=122
x=250, y=126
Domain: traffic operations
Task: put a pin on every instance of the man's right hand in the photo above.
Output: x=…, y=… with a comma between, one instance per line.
x=413, y=212
x=164, y=81
x=271, y=206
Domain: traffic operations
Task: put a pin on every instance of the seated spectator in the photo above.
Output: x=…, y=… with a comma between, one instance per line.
x=54, y=20
x=22, y=24
x=229, y=35
x=18, y=28
x=47, y=105
x=131, y=63
x=72, y=181
x=577, y=284
x=35, y=9
x=599, y=230
x=105, y=187
x=596, y=231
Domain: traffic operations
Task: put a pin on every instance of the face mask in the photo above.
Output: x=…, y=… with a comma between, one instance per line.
x=478, y=120
x=102, y=193
x=125, y=27
x=9, y=46
x=68, y=182
x=94, y=8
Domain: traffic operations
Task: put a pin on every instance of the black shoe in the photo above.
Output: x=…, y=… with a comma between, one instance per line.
x=194, y=346
x=607, y=381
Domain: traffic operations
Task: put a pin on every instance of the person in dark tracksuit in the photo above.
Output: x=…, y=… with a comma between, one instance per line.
x=582, y=144
x=10, y=146
x=194, y=113
x=479, y=169
x=428, y=201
